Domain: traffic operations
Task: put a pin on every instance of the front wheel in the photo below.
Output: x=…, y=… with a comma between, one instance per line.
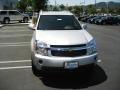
x=25, y=20
x=6, y=21
x=20, y=21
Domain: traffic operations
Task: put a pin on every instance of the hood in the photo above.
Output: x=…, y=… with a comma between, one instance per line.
x=63, y=37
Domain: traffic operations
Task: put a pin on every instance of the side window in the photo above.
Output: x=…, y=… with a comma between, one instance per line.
x=3, y=12
x=14, y=13
x=11, y=13
x=17, y=13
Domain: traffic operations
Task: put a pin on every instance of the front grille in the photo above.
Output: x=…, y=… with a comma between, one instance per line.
x=74, y=53
x=67, y=46
x=68, y=50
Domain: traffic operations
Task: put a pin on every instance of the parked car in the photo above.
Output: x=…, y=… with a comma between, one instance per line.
x=98, y=20
x=80, y=17
x=86, y=18
x=108, y=20
x=116, y=20
x=12, y=15
x=89, y=19
x=59, y=41
x=92, y=20
x=30, y=14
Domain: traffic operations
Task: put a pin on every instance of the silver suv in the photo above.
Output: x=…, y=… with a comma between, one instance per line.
x=60, y=41
x=12, y=15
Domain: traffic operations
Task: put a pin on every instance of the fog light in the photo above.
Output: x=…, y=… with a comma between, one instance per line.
x=40, y=61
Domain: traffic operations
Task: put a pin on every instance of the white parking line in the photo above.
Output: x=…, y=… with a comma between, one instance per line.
x=14, y=61
x=14, y=30
x=19, y=35
x=19, y=67
x=15, y=43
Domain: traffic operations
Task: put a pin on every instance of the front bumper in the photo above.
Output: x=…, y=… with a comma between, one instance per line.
x=45, y=61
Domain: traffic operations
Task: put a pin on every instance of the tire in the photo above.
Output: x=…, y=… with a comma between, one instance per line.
x=97, y=23
x=103, y=23
x=117, y=23
x=20, y=21
x=25, y=19
x=6, y=20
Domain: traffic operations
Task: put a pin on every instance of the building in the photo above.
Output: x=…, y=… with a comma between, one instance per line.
x=8, y=4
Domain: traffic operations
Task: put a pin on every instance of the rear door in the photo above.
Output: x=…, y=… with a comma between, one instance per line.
x=15, y=15
x=2, y=15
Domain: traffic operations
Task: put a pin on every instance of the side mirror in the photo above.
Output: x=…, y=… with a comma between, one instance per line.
x=31, y=26
x=84, y=26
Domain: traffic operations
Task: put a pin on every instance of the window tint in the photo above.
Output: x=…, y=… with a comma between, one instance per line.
x=3, y=12
x=58, y=22
x=14, y=13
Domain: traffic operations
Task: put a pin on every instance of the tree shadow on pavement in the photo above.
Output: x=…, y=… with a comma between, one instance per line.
x=75, y=80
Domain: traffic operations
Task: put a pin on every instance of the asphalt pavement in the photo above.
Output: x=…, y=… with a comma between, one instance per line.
x=15, y=63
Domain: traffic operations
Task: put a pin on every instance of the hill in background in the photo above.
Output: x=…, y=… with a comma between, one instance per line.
x=110, y=5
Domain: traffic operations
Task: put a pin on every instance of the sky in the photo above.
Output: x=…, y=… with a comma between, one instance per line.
x=78, y=2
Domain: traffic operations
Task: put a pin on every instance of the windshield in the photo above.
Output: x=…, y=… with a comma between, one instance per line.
x=58, y=22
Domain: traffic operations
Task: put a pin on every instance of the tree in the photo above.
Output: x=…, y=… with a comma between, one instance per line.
x=62, y=7
x=118, y=11
x=22, y=5
x=91, y=9
x=39, y=5
x=36, y=5
x=29, y=2
x=55, y=8
x=77, y=9
x=70, y=8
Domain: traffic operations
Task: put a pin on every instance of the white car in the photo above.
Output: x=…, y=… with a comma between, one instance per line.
x=13, y=15
x=60, y=41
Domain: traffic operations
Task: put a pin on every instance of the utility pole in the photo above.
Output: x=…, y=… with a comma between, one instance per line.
x=95, y=7
x=84, y=7
x=95, y=3
x=107, y=7
x=67, y=6
x=55, y=3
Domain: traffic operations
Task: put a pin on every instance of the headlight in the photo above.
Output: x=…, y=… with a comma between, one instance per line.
x=91, y=47
x=42, y=48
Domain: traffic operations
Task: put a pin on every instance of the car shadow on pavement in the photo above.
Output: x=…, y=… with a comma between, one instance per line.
x=75, y=80
x=16, y=23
